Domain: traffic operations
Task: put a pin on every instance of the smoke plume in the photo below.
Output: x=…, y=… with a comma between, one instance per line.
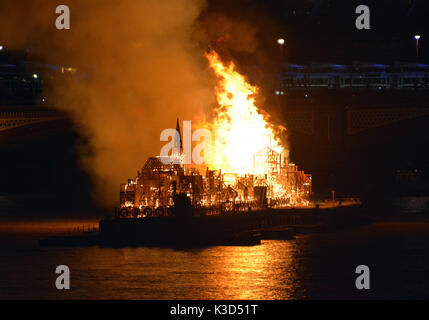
x=138, y=70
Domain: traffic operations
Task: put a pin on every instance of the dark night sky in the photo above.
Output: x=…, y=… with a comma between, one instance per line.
x=320, y=30
x=324, y=30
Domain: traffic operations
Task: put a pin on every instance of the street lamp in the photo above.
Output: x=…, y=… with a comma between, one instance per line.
x=281, y=42
x=417, y=37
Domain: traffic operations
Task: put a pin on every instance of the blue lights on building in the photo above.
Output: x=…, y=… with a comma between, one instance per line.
x=356, y=75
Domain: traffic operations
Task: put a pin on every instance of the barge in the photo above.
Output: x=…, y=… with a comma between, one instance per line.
x=240, y=228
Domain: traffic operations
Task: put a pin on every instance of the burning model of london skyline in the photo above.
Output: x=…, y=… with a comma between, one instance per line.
x=246, y=168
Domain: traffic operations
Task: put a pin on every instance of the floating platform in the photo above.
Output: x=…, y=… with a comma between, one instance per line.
x=227, y=229
x=240, y=228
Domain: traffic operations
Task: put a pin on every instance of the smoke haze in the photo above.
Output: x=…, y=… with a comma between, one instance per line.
x=139, y=69
x=140, y=66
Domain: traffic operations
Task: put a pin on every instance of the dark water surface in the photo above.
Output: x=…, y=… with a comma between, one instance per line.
x=318, y=266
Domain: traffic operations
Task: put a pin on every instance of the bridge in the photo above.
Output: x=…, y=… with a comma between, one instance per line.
x=350, y=147
x=356, y=120
x=346, y=146
x=21, y=123
x=298, y=121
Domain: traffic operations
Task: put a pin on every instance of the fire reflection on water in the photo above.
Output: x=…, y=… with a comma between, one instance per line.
x=311, y=266
x=267, y=271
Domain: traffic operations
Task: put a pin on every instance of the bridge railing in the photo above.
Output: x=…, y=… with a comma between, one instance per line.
x=11, y=119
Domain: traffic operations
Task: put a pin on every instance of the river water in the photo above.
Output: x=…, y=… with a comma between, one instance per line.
x=317, y=266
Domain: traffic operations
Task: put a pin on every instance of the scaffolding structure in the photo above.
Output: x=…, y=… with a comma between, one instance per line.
x=156, y=188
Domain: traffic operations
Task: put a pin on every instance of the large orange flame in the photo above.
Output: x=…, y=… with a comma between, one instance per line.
x=239, y=126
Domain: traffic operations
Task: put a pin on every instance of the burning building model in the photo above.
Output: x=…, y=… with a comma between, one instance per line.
x=157, y=187
x=248, y=169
